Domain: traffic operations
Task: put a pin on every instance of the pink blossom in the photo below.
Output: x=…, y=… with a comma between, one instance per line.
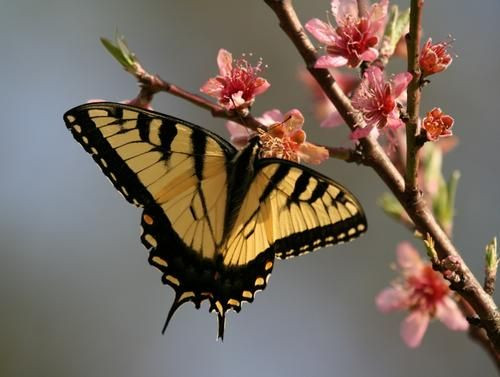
x=437, y=124
x=377, y=100
x=324, y=110
x=355, y=37
x=284, y=137
x=237, y=83
x=434, y=58
x=424, y=293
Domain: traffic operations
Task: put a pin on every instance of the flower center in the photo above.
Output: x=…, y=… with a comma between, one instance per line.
x=242, y=79
x=427, y=289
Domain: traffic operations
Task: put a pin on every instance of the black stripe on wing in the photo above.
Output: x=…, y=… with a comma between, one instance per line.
x=317, y=189
x=85, y=131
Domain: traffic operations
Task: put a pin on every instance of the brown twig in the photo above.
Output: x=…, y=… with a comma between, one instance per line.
x=152, y=84
x=415, y=206
x=345, y=154
x=478, y=334
x=491, y=267
x=413, y=104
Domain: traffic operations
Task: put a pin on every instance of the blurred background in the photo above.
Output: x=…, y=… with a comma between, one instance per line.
x=77, y=296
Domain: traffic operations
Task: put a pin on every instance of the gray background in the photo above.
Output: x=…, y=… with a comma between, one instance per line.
x=77, y=296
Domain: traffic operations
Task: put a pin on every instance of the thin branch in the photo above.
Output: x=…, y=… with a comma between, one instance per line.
x=491, y=267
x=490, y=282
x=375, y=157
x=152, y=84
x=345, y=154
x=478, y=334
x=414, y=91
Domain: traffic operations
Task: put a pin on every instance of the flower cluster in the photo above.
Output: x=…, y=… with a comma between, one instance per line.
x=283, y=138
x=424, y=293
x=237, y=83
x=355, y=37
x=377, y=100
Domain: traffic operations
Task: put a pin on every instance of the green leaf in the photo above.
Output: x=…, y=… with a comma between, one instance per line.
x=391, y=206
x=396, y=27
x=127, y=54
x=431, y=249
x=120, y=51
x=491, y=255
x=452, y=191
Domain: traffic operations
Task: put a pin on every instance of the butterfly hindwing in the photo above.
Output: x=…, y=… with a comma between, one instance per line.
x=293, y=210
x=197, y=279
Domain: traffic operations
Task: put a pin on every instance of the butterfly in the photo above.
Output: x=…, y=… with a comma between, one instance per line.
x=214, y=218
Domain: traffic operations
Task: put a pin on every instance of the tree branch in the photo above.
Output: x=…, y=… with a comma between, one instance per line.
x=478, y=334
x=152, y=84
x=413, y=102
x=375, y=157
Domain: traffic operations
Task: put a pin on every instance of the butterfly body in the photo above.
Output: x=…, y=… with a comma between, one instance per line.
x=214, y=218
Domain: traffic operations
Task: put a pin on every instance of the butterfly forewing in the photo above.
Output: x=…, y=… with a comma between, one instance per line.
x=157, y=160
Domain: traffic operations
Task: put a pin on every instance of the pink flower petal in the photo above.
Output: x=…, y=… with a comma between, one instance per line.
x=360, y=132
x=270, y=117
x=212, y=87
x=375, y=77
x=392, y=298
x=224, y=62
x=329, y=61
x=413, y=328
x=261, y=85
x=393, y=120
x=346, y=81
x=378, y=17
x=333, y=120
x=313, y=154
x=400, y=82
x=344, y=8
x=236, y=100
x=293, y=120
x=448, y=312
x=379, y=10
x=239, y=134
x=321, y=31
x=408, y=258
x=369, y=55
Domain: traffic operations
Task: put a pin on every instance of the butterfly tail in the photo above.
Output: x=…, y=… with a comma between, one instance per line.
x=221, y=320
x=175, y=305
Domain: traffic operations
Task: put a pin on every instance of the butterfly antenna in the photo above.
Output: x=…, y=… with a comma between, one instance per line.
x=270, y=128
